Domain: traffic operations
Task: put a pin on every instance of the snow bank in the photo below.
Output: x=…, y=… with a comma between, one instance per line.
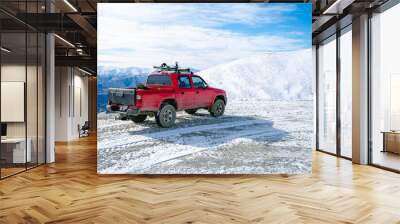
x=270, y=76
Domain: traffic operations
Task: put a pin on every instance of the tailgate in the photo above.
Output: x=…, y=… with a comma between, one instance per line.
x=121, y=96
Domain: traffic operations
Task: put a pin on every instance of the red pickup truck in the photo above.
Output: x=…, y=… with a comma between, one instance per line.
x=167, y=90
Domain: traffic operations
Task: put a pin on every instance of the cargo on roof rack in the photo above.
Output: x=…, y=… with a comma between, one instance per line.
x=166, y=68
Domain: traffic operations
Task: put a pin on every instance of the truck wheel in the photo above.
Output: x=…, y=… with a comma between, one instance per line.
x=138, y=118
x=218, y=108
x=191, y=111
x=166, y=116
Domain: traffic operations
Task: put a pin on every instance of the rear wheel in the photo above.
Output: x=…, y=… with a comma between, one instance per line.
x=166, y=116
x=138, y=118
x=191, y=111
x=218, y=108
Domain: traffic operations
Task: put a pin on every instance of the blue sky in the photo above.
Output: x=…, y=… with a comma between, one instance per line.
x=198, y=35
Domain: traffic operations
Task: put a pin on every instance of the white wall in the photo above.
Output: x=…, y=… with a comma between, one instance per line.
x=33, y=125
x=17, y=73
x=62, y=82
x=79, y=117
x=14, y=72
x=70, y=83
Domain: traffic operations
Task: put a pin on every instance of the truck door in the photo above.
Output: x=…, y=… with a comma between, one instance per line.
x=186, y=94
x=203, y=94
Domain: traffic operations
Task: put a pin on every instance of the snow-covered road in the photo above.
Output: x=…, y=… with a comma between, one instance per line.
x=254, y=136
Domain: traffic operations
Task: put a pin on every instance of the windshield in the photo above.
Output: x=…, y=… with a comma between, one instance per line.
x=164, y=80
x=198, y=82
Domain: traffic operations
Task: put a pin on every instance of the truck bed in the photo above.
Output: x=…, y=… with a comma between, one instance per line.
x=121, y=96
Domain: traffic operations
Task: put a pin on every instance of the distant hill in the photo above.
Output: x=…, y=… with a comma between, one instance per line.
x=272, y=76
x=117, y=77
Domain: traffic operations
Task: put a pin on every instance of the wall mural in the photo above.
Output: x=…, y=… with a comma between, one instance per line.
x=205, y=88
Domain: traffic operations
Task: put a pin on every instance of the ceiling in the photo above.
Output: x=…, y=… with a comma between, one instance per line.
x=331, y=15
x=75, y=22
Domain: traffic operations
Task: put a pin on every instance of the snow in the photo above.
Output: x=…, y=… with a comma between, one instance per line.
x=253, y=137
x=267, y=126
x=271, y=76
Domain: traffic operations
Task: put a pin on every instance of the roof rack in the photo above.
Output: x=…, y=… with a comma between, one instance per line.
x=166, y=68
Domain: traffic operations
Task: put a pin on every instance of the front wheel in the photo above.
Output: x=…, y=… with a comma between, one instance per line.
x=166, y=116
x=122, y=117
x=218, y=108
x=138, y=118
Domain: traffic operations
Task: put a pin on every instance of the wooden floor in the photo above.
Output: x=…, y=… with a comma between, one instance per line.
x=387, y=159
x=5, y=172
x=70, y=191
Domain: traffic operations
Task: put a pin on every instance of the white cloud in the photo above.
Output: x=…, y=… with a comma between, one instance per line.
x=143, y=35
x=203, y=15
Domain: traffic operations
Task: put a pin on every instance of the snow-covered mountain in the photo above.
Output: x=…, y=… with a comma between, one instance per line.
x=117, y=77
x=271, y=76
x=118, y=71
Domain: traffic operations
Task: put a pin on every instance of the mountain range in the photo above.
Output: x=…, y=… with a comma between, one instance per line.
x=269, y=76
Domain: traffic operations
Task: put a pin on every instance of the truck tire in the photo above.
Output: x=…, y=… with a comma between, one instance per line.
x=191, y=111
x=218, y=108
x=122, y=117
x=138, y=118
x=166, y=116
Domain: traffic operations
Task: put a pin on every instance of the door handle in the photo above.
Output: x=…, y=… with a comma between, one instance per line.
x=197, y=92
x=182, y=93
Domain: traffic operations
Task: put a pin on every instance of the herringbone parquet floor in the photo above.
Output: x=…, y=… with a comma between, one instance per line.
x=70, y=191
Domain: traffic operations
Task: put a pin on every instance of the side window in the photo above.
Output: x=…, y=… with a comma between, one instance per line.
x=184, y=82
x=198, y=82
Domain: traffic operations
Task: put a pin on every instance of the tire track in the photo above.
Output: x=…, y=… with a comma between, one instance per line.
x=165, y=152
x=129, y=139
